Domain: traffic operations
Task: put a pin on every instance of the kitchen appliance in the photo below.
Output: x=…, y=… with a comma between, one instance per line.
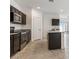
x=15, y=17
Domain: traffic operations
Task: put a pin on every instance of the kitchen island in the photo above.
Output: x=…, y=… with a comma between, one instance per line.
x=55, y=40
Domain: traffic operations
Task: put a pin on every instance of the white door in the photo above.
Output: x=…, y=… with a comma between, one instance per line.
x=36, y=26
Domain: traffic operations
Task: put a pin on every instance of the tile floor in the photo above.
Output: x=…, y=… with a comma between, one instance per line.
x=39, y=50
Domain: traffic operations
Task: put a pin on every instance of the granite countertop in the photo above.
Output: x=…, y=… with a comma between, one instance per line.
x=22, y=30
x=55, y=31
x=19, y=31
x=13, y=33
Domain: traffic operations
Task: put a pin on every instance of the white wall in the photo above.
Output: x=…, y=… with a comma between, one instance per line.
x=47, y=23
x=26, y=11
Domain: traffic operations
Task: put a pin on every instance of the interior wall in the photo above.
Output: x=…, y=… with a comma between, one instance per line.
x=47, y=23
x=26, y=11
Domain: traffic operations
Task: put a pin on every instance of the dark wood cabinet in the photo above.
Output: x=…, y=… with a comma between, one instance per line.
x=15, y=10
x=54, y=40
x=16, y=43
x=25, y=38
x=23, y=18
x=11, y=45
x=28, y=35
x=17, y=40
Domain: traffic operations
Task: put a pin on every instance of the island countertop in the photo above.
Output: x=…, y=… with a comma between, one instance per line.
x=55, y=31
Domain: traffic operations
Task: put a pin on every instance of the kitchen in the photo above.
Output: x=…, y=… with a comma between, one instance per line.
x=19, y=37
x=26, y=23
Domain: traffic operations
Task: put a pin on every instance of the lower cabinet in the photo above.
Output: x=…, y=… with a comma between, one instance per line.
x=16, y=43
x=11, y=45
x=54, y=40
x=28, y=37
x=18, y=40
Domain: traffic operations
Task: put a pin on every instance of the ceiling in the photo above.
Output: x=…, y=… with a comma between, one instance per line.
x=58, y=6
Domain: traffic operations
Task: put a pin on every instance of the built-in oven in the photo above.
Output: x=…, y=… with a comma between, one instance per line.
x=15, y=17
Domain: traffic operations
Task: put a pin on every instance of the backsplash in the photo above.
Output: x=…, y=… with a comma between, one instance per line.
x=55, y=28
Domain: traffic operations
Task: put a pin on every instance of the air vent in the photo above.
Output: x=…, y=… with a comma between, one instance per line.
x=51, y=0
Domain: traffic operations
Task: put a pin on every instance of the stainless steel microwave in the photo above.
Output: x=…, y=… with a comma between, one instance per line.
x=15, y=17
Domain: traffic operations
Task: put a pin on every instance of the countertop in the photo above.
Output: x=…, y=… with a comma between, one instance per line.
x=13, y=33
x=22, y=30
x=55, y=31
x=19, y=31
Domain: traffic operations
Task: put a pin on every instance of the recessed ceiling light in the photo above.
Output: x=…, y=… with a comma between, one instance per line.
x=61, y=10
x=38, y=7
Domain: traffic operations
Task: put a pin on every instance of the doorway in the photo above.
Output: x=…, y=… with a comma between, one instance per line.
x=36, y=25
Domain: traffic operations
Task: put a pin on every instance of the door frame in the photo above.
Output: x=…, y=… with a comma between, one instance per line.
x=32, y=37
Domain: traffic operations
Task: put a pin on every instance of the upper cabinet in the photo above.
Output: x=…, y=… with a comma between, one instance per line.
x=17, y=16
x=23, y=18
x=55, y=22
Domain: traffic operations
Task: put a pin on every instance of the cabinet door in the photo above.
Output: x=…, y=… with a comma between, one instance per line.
x=11, y=45
x=10, y=8
x=54, y=40
x=50, y=41
x=23, y=18
x=28, y=39
x=16, y=43
x=29, y=35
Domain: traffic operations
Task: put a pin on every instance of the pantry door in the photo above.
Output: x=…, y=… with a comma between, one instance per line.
x=37, y=26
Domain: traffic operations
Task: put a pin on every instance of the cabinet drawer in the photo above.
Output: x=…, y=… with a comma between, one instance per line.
x=16, y=45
